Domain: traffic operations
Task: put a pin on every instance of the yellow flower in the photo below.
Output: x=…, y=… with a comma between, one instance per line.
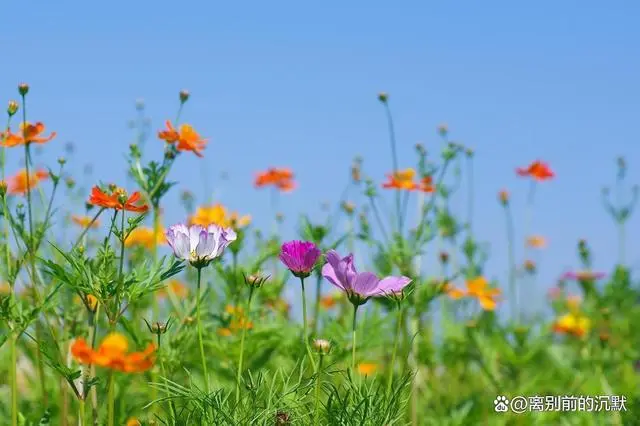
x=478, y=288
x=133, y=422
x=85, y=221
x=536, y=241
x=573, y=323
x=367, y=368
x=217, y=214
x=144, y=236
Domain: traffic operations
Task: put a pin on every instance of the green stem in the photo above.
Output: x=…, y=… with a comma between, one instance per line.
x=527, y=230
x=394, y=158
x=316, y=415
x=81, y=412
x=621, y=243
x=353, y=338
x=511, y=260
x=316, y=309
x=172, y=407
x=396, y=338
x=305, y=337
x=244, y=333
x=202, y=356
x=111, y=400
x=14, y=379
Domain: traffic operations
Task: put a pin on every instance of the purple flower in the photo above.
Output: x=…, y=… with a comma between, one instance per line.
x=300, y=257
x=582, y=276
x=359, y=286
x=197, y=244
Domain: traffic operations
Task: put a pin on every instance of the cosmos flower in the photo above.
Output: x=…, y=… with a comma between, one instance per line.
x=217, y=215
x=145, y=236
x=29, y=133
x=281, y=178
x=572, y=323
x=117, y=199
x=186, y=139
x=85, y=221
x=359, y=286
x=402, y=180
x=299, y=257
x=537, y=170
x=197, y=244
x=477, y=288
x=17, y=184
x=113, y=353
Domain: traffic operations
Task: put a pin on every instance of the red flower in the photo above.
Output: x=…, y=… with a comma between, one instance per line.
x=537, y=170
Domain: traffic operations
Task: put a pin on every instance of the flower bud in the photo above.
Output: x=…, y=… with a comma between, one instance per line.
x=322, y=346
x=184, y=96
x=529, y=266
x=3, y=188
x=256, y=280
x=348, y=207
x=23, y=89
x=383, y=97
x=503, y=196
x=444, y=257
x=12, y=108
x=443, y=129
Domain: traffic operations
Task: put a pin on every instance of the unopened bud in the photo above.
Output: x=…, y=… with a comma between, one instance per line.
x=62, y=161
x=12, y=108
x=256, y=280
x=529, y=266
x=322, y=346
x=23, y=89
x=383, y=97
x=420, y=148
x=184, y=96
x=348, y=207
x=443, y=129
x=3, y=188
x=503, y=196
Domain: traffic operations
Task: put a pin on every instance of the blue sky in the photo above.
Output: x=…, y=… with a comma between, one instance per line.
x=294, y=84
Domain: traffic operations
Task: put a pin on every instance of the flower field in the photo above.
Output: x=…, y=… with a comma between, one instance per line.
x=128, y=320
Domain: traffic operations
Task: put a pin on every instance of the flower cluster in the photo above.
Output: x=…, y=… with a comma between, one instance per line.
x=113, y=353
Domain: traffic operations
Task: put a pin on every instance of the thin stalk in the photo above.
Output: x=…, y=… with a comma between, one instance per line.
x=244, y=333
x=81, y=412
x=353, y=338
x=14, y=379
x=527, y=230
x=396, y=338
x=200, y=341
x=394, y=158
x=316, y=415
x=512, y=263
x=316, y=309
x=305, y=337
x=172, y=407
x=111, y=400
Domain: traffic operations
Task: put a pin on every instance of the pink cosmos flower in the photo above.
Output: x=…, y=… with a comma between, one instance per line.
x=300, y=257
x=359, y=286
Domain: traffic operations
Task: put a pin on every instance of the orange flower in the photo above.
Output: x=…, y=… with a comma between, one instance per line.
x=478, y=288
x=176, y=286
x=281, y=178
x=537, y=170
x=536, y=241
x=17, y=184
x=426, y=185
x=133, y=422
x=112, y=353
x=217, y=214
x=187, y=138
x=573, y=323
x=85, y=221
x=238, y=321
x=116, y=200
x=328, y=301
x=367, y=368
x=144, y=236
x=402, y=180
x=30, y=133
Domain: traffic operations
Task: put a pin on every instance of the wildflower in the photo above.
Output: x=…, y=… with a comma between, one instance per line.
x=187, y=138
x=582, y=276
x=367, y=368
x=281, y=178
x=426, y=185
x=12, y=108
x=572, y=323
x=238, y=321
x=177, y=287
x=29, y=133
x=146, y=237
x=322, y=346
x=117, y=200
x=299, y=257
x=328, y=301
x=85, y=221
x=359, y=287
x=112, y=353
x=217, y=215
x=503, y=196
x=132, y=421
x=197, y=244
x=402, y=180
x=536, y=241
x=477, y=288
x=17, y=184
x=537, y=170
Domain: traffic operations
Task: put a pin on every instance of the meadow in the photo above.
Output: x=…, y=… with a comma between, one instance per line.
x=126, y=320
